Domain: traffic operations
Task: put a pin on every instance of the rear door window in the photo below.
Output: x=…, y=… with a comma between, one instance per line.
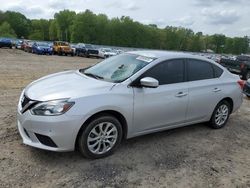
x=217, y=71
x=199, y=70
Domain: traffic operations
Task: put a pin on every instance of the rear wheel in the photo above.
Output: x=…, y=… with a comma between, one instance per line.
x=220, y=115
x=101, y=137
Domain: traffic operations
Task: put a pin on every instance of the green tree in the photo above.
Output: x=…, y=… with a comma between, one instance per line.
x=219, y=41
x=6, y=30
x=40, y=29
x=84, y=28
x=53, y=28
x=64, y=20
x=20, y=24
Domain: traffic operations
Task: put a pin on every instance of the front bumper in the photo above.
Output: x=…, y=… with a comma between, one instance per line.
x=44, y=51
x=39, y=131
x=246, y=89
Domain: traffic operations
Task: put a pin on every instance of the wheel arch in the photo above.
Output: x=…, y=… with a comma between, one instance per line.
x=230, y=101
x=114, y=113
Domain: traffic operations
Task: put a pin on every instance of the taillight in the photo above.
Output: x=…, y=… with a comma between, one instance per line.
x=242, y=66
x=241, y=83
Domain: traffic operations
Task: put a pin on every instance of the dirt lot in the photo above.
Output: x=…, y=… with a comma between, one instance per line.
x=194, y=156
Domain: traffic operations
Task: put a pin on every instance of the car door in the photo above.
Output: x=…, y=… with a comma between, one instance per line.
x=156, y=108
x=205, y=89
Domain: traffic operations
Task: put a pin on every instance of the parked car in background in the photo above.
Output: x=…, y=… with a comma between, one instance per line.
x=106, y=52
x=18, y=44
x=73, y=47
x=62, y=48
x=86, y=50
x=81, y=49
x=42, y=48
x=28, y=46
x=246, y=89
x=91, y=51
x=4, y=42
x=240, y=65
x=119, y=52
x=24, y=43
x=125, y=96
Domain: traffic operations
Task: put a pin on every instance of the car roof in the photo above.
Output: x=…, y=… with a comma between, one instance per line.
x=166, y=54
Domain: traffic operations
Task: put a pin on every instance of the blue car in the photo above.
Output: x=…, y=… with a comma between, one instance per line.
x=4, y=42
x=42, y=48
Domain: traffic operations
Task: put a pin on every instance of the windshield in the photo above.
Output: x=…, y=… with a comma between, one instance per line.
x=243, y=58
x=119, y=68
x=42, y=44
x=106, y=50
x=89, y=46
x=5, y=40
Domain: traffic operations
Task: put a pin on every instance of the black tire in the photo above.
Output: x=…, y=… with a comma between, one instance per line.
x=212, y=123
x=82, y=141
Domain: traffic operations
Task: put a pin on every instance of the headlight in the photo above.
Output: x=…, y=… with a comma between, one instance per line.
x=52, y=108
x=38, y=48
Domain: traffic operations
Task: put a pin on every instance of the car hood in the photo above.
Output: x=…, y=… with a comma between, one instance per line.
x=69, y=84
x=44, y=47
x=110, y=53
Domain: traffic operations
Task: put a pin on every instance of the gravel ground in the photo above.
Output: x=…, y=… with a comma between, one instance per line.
x=193, y=156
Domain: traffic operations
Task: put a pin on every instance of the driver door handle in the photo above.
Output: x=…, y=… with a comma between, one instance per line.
x=181, y=94
x=216, y=90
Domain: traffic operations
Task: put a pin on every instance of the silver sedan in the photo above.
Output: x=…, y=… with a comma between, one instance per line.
x=125, y=96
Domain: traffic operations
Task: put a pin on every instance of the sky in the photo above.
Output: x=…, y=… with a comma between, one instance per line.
x=229, y=17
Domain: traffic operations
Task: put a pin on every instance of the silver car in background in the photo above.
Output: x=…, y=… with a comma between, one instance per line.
x=125, y=96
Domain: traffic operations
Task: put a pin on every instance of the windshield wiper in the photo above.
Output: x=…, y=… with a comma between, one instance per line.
x=93, y=76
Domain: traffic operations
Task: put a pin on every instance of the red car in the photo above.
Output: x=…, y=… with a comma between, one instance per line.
x=28, y=46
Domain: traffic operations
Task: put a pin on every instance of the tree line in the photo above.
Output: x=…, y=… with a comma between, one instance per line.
x=88, y=27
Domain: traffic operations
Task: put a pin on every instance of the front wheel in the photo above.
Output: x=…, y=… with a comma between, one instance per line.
x=101, y=137
x=220, y=115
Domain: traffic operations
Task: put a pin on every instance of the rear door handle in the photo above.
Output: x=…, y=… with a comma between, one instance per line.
x=216, y=90
x=181, y=94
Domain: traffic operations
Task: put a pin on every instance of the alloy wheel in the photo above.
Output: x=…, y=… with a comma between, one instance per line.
x=102, y=138
x=221, y=115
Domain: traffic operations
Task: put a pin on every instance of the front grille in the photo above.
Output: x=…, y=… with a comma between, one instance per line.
x=45, y=140
x=25, y=100
x=93, y=51
x=27, y=103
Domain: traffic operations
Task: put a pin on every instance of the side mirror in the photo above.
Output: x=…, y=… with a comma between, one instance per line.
x=149, y=82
